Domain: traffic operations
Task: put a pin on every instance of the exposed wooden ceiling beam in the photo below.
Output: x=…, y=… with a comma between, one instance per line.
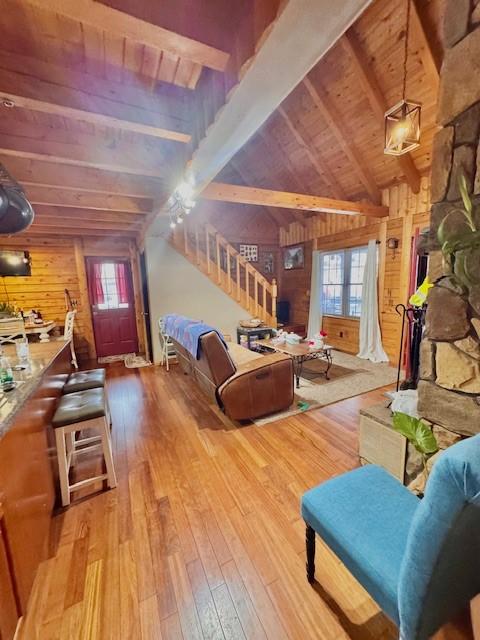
x=291, y=47
x=43, y=172
x=364, y=74
x=344, y=139
x=283, y=199
x=52, y=103
x=122, y=24
x=45, y=230
x=70, y=214
x=49, y=221
x=276, y=214
x=84, y=150
x=321, y=168
x=169, y=100
x=58, y=197
x=279, y=217
x=430, y=56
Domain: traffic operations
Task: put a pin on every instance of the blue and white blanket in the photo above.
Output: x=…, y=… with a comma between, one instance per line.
x=188, y=332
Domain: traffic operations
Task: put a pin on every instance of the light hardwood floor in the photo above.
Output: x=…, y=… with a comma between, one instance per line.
x=203, y=537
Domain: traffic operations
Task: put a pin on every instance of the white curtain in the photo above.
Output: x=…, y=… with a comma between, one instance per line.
x=315, y=311
x=370, y=337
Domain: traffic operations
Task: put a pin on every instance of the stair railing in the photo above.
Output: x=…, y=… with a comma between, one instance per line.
x=210, y=252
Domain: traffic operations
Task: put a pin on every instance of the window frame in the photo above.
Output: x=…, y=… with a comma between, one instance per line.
x=346, y=261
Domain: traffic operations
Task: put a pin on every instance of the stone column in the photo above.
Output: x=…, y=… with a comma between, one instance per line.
x=449, y=389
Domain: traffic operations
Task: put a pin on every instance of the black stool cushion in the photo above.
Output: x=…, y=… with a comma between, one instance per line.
x=83, y=380
x=79, y=406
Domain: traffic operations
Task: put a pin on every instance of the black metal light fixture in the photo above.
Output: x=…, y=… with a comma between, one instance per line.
x=402, y=121
x=16, y=212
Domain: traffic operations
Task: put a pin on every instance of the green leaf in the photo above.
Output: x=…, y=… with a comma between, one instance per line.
x=459, y=268
x=467, y=203
x=405, y=424
x=416, y=432
x=426, y=441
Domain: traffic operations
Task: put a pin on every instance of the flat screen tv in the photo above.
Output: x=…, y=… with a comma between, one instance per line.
x=15, y=263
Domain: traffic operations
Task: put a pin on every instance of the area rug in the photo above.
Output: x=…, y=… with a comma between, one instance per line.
x=314, y=371
x=350, y=376
x=108, y=359
x=132, y=361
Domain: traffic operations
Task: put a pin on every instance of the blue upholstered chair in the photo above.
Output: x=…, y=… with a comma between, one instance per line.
x=418, y=559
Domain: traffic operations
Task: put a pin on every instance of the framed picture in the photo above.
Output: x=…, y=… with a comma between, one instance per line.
x=293, y=257
x=249, y=252
x=268, y=262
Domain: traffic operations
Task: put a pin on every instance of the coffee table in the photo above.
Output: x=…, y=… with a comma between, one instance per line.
x=300, y=353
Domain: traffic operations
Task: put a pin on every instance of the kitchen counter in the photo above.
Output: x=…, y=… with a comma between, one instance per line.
x=42, y=356
x=28, y=466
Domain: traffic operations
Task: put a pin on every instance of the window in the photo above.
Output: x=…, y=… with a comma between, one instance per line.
x=110, y=290
x=342, y=278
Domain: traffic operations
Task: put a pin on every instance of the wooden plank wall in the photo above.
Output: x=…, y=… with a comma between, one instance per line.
x=408, y=211
x=59, y=264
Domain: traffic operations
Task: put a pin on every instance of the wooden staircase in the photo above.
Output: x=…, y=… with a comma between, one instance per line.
x=208, y=250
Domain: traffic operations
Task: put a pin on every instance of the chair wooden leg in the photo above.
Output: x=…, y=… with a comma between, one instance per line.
x=107, y=454
x=310, y=547
x=73, y=354
x=62, y=466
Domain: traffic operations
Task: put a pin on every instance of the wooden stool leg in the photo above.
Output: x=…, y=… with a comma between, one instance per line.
x=70, y=443
x=62, y=465
x=310, y=547
x=108, y=413
x=107, y=454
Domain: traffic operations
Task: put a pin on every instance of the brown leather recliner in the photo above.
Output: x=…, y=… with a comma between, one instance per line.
x=246, y=387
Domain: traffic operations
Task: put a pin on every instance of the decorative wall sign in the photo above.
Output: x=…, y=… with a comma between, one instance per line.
x=268, y=263
x=293, y=257
x=249, y=252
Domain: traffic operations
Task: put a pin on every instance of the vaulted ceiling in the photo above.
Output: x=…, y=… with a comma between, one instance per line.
x=327, y=137
x=110, y=99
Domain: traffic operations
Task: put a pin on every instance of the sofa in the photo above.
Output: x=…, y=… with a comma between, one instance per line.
x=246, y=385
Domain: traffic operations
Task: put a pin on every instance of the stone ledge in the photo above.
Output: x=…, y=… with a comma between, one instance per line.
x=457, y=412
x=455, y=370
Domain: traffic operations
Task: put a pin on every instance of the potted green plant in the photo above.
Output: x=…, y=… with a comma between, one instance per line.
x=459, y=238
x=7, y=310
x=419, y=434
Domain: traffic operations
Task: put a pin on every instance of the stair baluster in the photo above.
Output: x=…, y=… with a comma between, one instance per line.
x=222, y=263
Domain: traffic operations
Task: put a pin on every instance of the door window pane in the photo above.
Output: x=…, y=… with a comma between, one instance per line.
x=111, y=298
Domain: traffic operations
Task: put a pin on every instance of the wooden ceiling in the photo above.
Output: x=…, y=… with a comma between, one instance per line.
x=109, y=109
x=327, y=136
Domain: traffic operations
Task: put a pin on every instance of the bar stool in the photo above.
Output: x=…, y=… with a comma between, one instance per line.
x=83, y=380
x=88, y=379
x=76, y=412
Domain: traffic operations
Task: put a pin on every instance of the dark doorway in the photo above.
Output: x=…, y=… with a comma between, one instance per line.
x=113, y=307
x=146, y=303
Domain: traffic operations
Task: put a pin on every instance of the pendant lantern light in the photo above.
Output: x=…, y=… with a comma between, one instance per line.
x=402, y=122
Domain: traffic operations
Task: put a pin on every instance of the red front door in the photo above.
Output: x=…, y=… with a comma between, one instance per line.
x=113, y=308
